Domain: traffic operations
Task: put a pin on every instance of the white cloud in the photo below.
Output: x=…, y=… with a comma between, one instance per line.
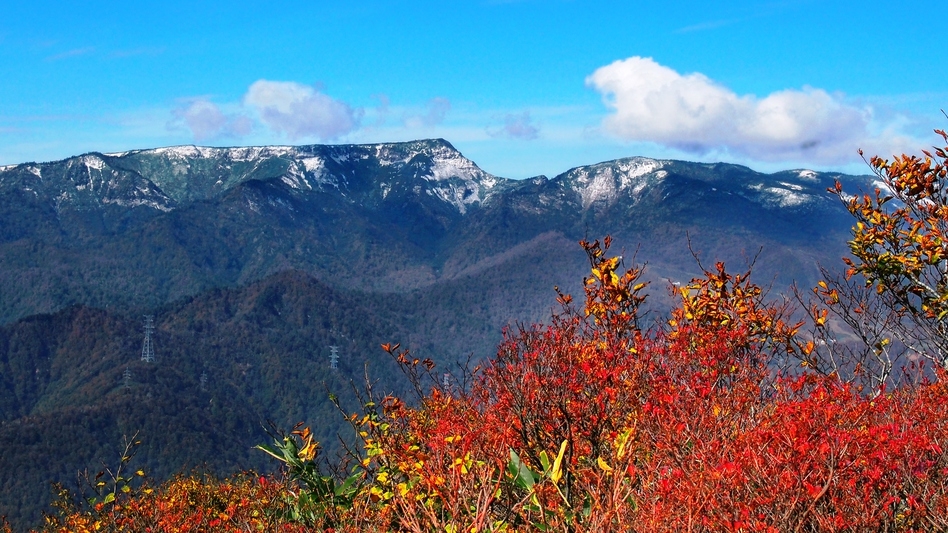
x=300, y=110
x=516, y=127
x=207, y=122
x=693, y=113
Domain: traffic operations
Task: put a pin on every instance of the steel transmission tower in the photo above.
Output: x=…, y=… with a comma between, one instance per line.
x=334, y=357
x=148, y=349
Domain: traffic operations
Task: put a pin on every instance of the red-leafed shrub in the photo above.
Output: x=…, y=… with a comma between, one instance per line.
x=592, y=423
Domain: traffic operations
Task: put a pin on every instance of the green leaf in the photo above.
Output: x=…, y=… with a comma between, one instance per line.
x=522, y=476
x=545, y=461
x=271, y=452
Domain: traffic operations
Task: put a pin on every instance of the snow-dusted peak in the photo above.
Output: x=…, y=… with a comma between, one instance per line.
x=449, y=175
x=606, y=182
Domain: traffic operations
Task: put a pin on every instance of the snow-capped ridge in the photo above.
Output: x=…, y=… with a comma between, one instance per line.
x=374, y=175
x=607, y=182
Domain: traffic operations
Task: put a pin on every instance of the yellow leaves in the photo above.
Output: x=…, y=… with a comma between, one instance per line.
x=463, y=464
x=622, y=442
x=557, y=472
x=612, y=300
x=603, y=464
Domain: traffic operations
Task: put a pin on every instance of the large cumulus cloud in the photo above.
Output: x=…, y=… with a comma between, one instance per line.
x=654, y=103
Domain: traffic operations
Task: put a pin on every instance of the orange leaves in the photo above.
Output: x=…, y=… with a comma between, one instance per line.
x=611, y=299
x=900, y=245
x=723, y=301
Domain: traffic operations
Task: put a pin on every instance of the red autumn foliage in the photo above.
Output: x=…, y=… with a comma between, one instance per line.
x=592, y=423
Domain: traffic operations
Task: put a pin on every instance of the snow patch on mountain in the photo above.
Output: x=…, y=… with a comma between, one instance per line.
x=780, y=196
x=808, y=175
x=93, y=162
x=136, y=202
x=184, y=152
x=243, y=154
x=460, y=195
x=314, y=165
x=255, y=153
x=879, y=184
x=788, y=198
x=296, y=178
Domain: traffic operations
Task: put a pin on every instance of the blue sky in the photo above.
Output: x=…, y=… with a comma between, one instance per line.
x=521, y=87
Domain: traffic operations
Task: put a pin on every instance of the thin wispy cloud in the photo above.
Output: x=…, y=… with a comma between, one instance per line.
x=693, y=113
x=75, y=52
x=707, y=25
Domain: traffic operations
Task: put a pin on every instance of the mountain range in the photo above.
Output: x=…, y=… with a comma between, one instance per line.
x=255, y=260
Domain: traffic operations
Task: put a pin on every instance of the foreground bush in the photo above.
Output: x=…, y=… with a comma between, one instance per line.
x=184, y=504
x=728, y=417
